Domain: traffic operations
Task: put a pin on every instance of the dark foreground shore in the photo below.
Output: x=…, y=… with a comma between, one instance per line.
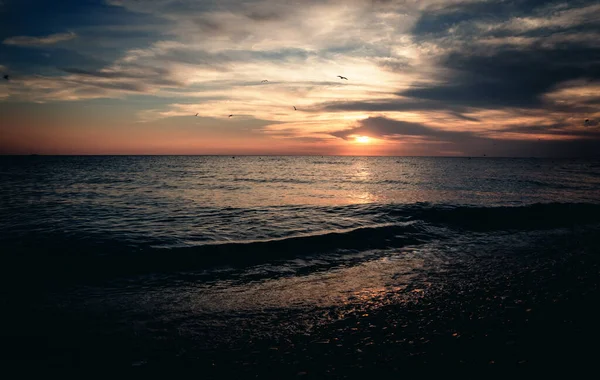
x=539, y=312
x=523, y=310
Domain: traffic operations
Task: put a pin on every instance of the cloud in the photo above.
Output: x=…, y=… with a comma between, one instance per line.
x=396, y=103
x=451, y=74
x=146, y=75
x=582, y=95
x=39, y=41
x=585, y=130
x=420, y=139
x=553, y=17
x=509, y=77
x=380, y=127
x=115, y=81
x=544, y=57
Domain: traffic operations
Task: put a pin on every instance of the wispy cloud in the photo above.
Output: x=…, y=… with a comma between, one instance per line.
x=39, y=41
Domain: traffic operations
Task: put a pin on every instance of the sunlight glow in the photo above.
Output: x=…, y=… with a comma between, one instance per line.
x=363, y=139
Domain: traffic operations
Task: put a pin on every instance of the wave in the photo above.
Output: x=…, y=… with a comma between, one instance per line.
x=62, y=257
x=106, y=259
x=535, y=216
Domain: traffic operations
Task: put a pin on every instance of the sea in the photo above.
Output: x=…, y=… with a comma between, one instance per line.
x=145, y=260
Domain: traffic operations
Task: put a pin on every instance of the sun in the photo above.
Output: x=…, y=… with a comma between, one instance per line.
x=363, y=139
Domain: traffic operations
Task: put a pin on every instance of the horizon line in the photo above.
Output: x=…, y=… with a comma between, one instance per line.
x=277, y=155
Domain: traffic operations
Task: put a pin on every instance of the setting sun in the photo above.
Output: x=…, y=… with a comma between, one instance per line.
x=363, y=139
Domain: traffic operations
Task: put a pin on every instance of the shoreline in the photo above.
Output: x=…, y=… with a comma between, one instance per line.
x=526, y=310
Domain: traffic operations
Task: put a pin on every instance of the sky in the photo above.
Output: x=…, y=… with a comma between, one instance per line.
x=424, y=78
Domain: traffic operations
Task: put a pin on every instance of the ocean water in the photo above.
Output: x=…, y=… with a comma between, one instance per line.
x=222, y=251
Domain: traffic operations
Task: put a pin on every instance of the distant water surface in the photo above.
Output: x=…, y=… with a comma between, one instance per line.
x=171, y=201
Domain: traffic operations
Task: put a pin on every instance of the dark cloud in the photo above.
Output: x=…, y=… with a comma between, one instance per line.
x=469, y=143
x=510, y=77
x=41, y=61
x=464, y=117
x=33, y=41
x=470, y=21
x=387, y=128
x=124, y=86
x=43, y=17
x=438, y=19
x=504, y=75
x=382, y=127
x=508, y=74
x=558, y=129
x=400, y=104
x=133, y=78
x=142, y=72
x=97, y=74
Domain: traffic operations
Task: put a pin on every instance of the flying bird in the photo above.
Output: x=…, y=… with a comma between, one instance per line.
x=294, y=108
x=5, y=77
x=341, y=77
x=196, y=114
x=264, y=81
x=230, y=115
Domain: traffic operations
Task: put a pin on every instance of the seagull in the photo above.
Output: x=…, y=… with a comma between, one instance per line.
x=264, y=81
x=196, y=114
x=341, y=77
x=230, y=115
x=5, y=77
x=294, y=108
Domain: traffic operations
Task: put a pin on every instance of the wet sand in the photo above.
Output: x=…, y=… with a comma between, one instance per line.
x=526, y=310
x=538, y=313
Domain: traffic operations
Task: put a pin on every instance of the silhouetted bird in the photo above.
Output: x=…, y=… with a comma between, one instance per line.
x=341, y=77
x=5, y=77
x=294, y=108
x=230, y=115
x=196, y=114
x=264, y=81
